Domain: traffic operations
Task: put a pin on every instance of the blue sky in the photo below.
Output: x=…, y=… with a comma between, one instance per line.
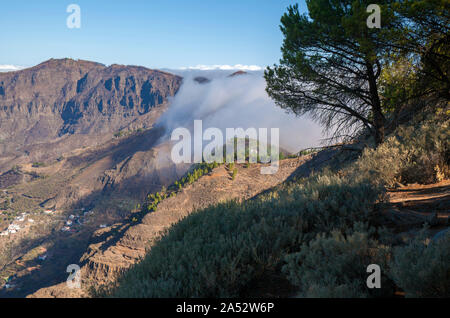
x=152, y=33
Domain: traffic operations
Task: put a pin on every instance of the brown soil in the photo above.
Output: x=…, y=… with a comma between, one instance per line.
x=413, y=205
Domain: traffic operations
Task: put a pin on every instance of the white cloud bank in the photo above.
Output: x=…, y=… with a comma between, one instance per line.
x=223, y=67
x=9, y=68
x=233, y=102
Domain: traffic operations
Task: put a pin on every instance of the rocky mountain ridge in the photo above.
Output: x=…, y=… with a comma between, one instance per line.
x=45, y=106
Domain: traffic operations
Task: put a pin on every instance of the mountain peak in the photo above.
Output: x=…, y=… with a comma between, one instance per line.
x=67, y=62
x=238, y=73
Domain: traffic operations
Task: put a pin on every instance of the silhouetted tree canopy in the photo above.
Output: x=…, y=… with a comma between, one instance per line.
x=332, y=60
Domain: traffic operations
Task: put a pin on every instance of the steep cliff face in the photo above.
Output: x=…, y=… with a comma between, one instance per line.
x=107, y=99
x=61, y=98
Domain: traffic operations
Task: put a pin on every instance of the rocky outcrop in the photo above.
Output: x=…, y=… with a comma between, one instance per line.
x=202, y=80
x=238, y=73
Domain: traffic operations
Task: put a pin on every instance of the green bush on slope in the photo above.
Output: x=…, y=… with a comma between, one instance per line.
x=415, y=153
x=422, y=268
x=335, y=265
x=199, y=170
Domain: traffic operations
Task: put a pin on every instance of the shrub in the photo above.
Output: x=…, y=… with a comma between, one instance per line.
x=335, y=266
x=234, y=174
x=329, y=201
x=422, y=268
x=120, y=134
x=198, y=171
x=16, y=168
x=416, y=153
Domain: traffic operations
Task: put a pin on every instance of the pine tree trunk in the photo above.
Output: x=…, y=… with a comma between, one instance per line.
x=378, y=120
x=378, y=117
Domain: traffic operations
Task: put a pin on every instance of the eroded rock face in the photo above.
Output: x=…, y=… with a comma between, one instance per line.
x=60, y=98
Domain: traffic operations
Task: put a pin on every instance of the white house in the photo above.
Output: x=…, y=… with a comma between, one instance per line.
x=13, y=228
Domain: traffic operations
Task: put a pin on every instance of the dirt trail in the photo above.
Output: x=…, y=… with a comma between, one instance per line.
x=413, y=205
